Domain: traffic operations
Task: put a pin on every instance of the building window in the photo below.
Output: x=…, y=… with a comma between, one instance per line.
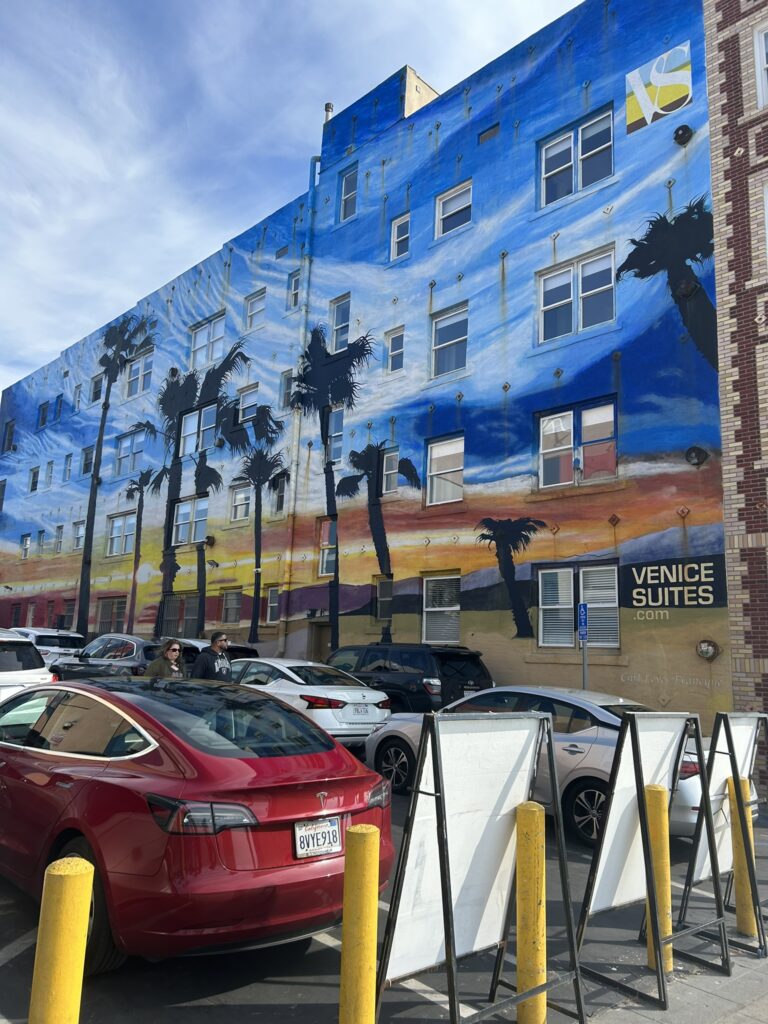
x=2, y=493
x=34, y=479
x=40, y=541
x=395, y=342
x=340, y=323
x=273, y=605
x=249, y=402
x=282, y=251
x=327, y=546
x=86, y=461
x=598, y=588
x=255, y=306
x=139, y=376
x=454, y=209
x=449, y=341
x=208, y=342
x=383, y=611
x=190, y=521
x=576, y=159
x=278, y=495
x=389, y=471
x=577, y=445
x=129, y=451
x=488, y=134
x=8, y=432
x=122, y=534
x=77, y=396
x=15, y=615
x=67, y=471
x=68, y=618
x=400, y=238
x=50, y=614
x=198, y=430
x=445, y=471
x=294, y=280
x=240, y=508
x=111, y=614
x=761, y=61
x=49, y=474
x=348, y=204
x=586, y=288
x=42, y=414
x=31, y=613
x=96, y=388
x=231, y=605
x=441, y=610
x=25, y=543
x=58, y=402
x=78, y=535
x=335, y=435
x=286, y=387
x=58, y=540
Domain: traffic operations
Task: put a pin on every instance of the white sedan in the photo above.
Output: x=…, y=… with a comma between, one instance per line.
x=336, y=701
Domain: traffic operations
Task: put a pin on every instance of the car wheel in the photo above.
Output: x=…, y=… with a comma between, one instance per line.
x=101, y=954
x=584, y=809
x=395, y=761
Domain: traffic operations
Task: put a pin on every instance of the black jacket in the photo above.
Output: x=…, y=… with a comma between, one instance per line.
x=210, y=665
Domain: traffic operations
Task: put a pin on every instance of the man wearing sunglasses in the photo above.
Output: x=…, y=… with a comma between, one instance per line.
x=212, y=662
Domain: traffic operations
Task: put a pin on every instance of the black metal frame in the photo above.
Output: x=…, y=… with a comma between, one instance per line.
x=431, y=732
x=629, y=730
x=723, y=724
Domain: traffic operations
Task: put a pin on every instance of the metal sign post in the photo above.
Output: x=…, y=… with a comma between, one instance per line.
x=583, y=620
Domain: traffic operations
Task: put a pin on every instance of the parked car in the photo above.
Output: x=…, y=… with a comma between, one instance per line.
x=585, y=727
x=53, y=643
x=124, y=654
x=21, y=664
x=192, y=647
x=213, y=814
x=342, y=705
x=416, y=677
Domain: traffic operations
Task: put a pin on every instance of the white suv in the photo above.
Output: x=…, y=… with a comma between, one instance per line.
x=53, y=643
x=21, y=664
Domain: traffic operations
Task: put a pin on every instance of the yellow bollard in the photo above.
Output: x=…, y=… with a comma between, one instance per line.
x=657, y=807
x=357, y=997
x=531, y=911
x=745, y=911
x=57, y=982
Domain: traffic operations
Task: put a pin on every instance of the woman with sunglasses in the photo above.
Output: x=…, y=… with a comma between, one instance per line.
x=167, y=664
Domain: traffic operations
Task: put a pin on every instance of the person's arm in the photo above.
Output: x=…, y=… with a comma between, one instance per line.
x=154, y=670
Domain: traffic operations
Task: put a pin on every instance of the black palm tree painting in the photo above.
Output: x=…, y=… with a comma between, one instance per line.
x=136, y=489
x=326, y=380
x=121, y=343
x=509, y=537
x=670, y=246
x=369, y=466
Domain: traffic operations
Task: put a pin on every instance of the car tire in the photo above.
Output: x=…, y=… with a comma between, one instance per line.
x=395, y=761
x=101, y=953
x=584, y=809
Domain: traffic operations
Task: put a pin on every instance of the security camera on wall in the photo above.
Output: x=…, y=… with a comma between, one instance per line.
x=696, y=456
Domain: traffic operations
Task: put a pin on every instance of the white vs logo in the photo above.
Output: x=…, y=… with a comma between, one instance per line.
x=659, y=87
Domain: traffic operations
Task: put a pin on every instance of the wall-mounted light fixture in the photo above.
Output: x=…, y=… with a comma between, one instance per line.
x=212, y=563
x=707, y=649
x=683, y=134
x=696, y=456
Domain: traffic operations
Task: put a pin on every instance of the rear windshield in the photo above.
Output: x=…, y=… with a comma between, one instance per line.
x=19, y=657
x=228, y=721
x=55, y=640
x=464, y=668
x=621, y=709
x=323, y=675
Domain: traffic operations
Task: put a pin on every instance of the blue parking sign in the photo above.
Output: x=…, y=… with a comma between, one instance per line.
x=582, y=620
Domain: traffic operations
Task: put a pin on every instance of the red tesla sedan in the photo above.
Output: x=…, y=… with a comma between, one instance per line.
x=213, y=814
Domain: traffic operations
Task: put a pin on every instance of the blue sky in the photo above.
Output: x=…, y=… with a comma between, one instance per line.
x=138, y=136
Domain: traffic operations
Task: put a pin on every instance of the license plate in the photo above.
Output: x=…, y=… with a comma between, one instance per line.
x=314, y=838
x=360, y=709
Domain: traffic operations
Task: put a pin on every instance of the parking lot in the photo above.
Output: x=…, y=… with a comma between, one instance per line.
x=274, y=986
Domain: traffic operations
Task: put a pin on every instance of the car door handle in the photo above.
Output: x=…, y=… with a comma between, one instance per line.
x=573, y=748
x=64, y=785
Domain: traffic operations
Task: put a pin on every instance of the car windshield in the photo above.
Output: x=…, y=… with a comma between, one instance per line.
x=323, y=675
x=228, y=721
x=57, y=640
x=19, y=657
x=621, y=709
x=461, y=667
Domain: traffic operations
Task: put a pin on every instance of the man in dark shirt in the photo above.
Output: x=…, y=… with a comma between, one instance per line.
x=212, y=662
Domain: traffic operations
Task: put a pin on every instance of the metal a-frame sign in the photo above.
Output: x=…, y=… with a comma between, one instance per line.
x=437, y=781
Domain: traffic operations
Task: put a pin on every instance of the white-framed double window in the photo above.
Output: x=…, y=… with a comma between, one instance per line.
x=294, y=293
x=49, y=474
x=577, y=296
x=208, y=342
x=577, y=158
x=449, y=340
x=190, y=521
x=249, y=402
x=340, y=309
x=255, y=306
x=272, y=608
x=77, y=396
x=240, y=505
x=86, y=461
x=445, y=471
x=761, y=65
x=78, y=535
x=348, y=194
x=278, y=495
x=442, y=609
x=34, y=479
x=138, y=378
x=395, y=342
x=40, y=542
x=25, y=543
x=577, y=445
x=453, y=209
x=389, y=471
x=327, y=547
x=42, y=414
x=121, y=536
x=335, y=434
x=598, y=588
x=66, y=472
x=231, y=605
x=130, y=448
x=58, y=539
x=400, y=237
x=198, y=430
x=286, y=387
x=96, y=388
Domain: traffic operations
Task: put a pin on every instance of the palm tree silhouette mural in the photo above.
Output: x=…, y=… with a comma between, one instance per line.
x=136, y=489
x=670, y=246
x=326, y=380
x=369, y=464
x=510, y=537
x=121, y=343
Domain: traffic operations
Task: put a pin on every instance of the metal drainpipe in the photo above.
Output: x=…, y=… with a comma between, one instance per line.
x=314, y=164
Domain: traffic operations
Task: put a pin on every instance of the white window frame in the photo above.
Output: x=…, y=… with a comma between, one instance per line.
x=286, y=388
x=49, y=474
x=77, y=397
x=566, y=136
x=78, y=535
x=439, y=318
x=207, y=342
x=574, y=138
x=384, y=581
x=326, y=552
x=58, y=539
x=254, y=310
x=294, y=290
x=395, y=239
x=547, y=424
x=272, y=608
x=429, y=611
x=121, y=534
x=67, y=470
x=585, y=156
x=438, y=449
x=445, y=197
x=128, y=455
x=138, y=374
x=96, y=389
x=85, y=457
x=278, y=495
x=240, y=503
x=574, y=418
x=576, y=297
x=246, y=395
x=42, y=414
x=335, y=434
x=395, y=356
x=761, y=65
x=231, y=613
x=389, y=471
x=25, y=544
x=58, y=404
x=347, y=195
x=34, y=480
x=565, y=573
x=340, y=328
x=40, y=544
x=594, y=605
x=194, y=507
x=192, y=427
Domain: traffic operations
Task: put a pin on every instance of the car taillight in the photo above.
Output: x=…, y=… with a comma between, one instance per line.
x=55, y=678
x=433, y=686
x=195, y=818
x=381, y=794
x=322, y=702
x=688, y=769
x=386, y=703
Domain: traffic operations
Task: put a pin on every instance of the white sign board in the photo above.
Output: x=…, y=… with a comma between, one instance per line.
x=744, y=732
x=620, y=871
x=488, y=764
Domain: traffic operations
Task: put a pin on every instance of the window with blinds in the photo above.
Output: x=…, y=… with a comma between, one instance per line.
x=598, y=588
x=556, y=607
x=441, y=609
